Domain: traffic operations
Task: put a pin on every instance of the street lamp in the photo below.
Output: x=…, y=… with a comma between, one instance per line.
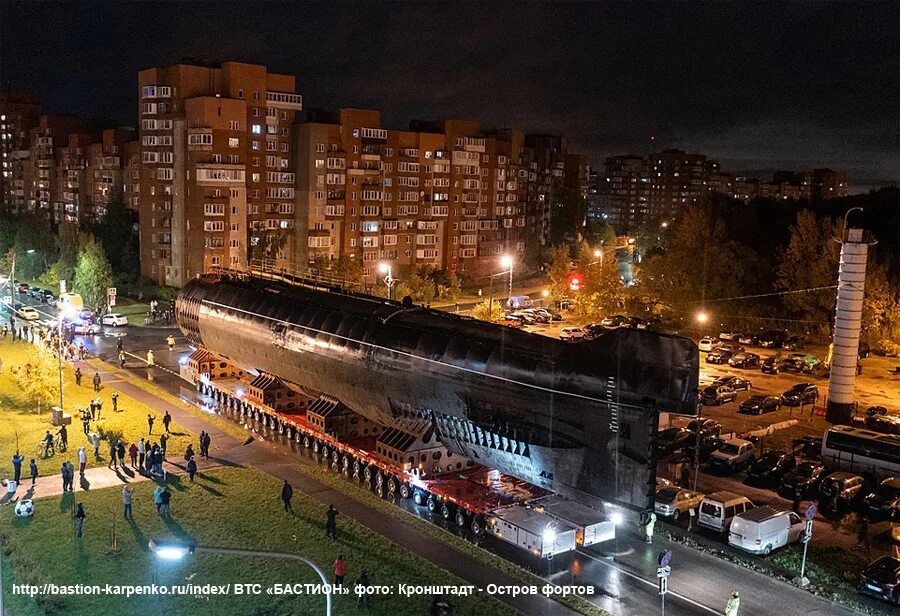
x=67, y=311
x=389, y=280
x=507, y=262
x=544, y=294
x=171, y=550
x=701, y=317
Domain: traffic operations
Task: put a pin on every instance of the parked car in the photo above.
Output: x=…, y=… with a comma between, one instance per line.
x=792, y=343
x=841, y=490
x=540, y=315
x=707, y=344
x=888, y=424
x=801, y=393
x=28, y=313
x=883, y=503
x=47, y=297
x=729, y=334
x=732, y=347
x=733, y=454
x=744, y=360
x=772, y=339
x=524, y=317
x=705, y=425
x=718, y=356
x=748, y=339
x=85, y=328
x=763, y=529
x=571, y=333
x=768, y=469
x=758, y=404
x=634, y=323
x=670, y=440
x=717, y=510
x=593, y=330
x=673, y=501
x=717, y=394
x=23, y=287
x=737, y=383
x=772, y=364
x=85, y=314
x=882, y=579
x=614, y=321
x=662, y=482
x=34, y=292
x=509, y=321
x=804, y=477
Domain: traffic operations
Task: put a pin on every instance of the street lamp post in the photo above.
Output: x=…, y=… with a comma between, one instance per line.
x=177, y=551
x=507, y=263
x=389, y=279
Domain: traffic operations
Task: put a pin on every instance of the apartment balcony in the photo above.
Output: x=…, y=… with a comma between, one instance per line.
x=284, y=100
x=470, y=211
x=335, y=197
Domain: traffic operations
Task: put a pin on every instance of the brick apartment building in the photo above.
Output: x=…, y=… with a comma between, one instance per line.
x=18, y=115
x=444, y=194
x=216, y=166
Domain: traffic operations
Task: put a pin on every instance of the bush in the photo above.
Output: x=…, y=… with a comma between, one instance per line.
x=110, y=431
x=886, y=348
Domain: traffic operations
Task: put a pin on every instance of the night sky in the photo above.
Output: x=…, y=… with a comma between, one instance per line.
x=757, y=85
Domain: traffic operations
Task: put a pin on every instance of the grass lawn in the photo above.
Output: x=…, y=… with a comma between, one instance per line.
x=18, y=417
x=225, y=508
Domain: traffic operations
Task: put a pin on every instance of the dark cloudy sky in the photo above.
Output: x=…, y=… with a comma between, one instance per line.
x=758, y=85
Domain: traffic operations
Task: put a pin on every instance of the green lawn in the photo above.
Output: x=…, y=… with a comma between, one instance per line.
x=226, y=508
x=18, y=416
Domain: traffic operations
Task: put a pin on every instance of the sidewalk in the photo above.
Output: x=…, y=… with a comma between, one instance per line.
x=227, y=450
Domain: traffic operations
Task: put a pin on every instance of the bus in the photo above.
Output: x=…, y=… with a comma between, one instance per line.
x=861, y=451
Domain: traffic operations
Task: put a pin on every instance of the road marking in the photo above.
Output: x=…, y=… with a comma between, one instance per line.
x=649, y=583
x=155, y=365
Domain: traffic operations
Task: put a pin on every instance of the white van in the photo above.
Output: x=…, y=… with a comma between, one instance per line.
x=719, y=508
x=763, y=529
x=519, y=301
x=70, y=301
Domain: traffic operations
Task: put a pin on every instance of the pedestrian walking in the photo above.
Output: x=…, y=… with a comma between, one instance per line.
x=126, y=501
x=862, y=535
x=200, y=441
x=115, y=402
x=94, y=438
x=96, y=381
x=189, y=452
x=85, y=421
x=93, y=406
x=150, y=420
x=120, y=452
x=171, y=342
x=82, y=460
x=731, y=608
x=166, y=498
x=112, y=455
x=34, y=471
x=63, y=472
x=287, y=493
x=157, y=498
x=121, y=359
x=99, y=404
x=63, y=435
x=163, y=443
x=70, y=473
x=17, y=460
x=340, y=569
x=132, y=454
x=648, y=527
x=331, y=522
x=192, y=468
x=150, y=361
x=362, y=585
x=79, y=519
x=141, y=449
x=119, y=345
x=78, y=375
x=206, y=441
x=798, y=493
x=167, y=419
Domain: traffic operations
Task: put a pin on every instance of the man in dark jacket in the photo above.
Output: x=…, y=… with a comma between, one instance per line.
x=287, y=493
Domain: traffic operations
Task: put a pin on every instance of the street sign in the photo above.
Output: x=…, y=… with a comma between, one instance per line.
x=664, y=558
x=112, y=301
x=111, y=291
x=62, y=287
x=811, y=511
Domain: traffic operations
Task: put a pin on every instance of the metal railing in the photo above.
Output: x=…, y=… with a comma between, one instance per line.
x=268, y=269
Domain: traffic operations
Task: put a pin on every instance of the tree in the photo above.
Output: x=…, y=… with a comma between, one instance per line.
x=809, y=261
x=881, y=305
x=597, y=232
x=34, y=233
x=567, y=211
x=116, y=233
x=488, y=311
x=602, y=291
x=560, y=269
x=69, y=241
x=93, y=274
x=39, y=378
x=346, y=270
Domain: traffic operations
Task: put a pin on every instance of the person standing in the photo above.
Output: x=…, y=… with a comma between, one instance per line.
x=648, y=527
x=862, y=535
x=163, y=441
x=93, y=408
x=121, y=359
x=731, y=608
x=206, y=441
x=115, y=402
x=63, y=437
x=112, y=455
x=132, y=454
x=34, y=471
x=361, y=585
x=331, y=522
x=340, y=569
x=78, y=375
x=126, y=501
x=192, y=468
x=70, y=472
x=120, y=452
x=157, y=498
x=200, y=442
x=17, y=460
x=167, y=419
x=96, y=381
x=94, y=438
x=166, y=498
x=150, y=420
x=99, y=404
x=63, y=473
x=82, y=460
x=79, y=520
x=171, y=342
x=85, y=421
x=798, y=493
x=287, y=493
x=150, y=361
x=119, y=345
x=142, y=449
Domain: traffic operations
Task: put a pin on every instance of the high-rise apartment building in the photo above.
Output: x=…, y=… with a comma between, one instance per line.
x=828, y=184
x=18, y=115
x=624, y=192
x=217, y=179
x=104, y=178
x=677, y=179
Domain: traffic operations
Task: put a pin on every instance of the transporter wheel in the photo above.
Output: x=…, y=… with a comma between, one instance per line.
x=392, y=485
x=357, y=469
x=477, y=525
x=432, y=503
x=307, y=442
x=419, y=497
x=379, y=490
x=345, y=466
x=767, y=550
x=405, y=490
x=447, y=510
x=326, y=451
x=335, y=456
x=315, y=446
x=461, y=517
x=367, y=474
